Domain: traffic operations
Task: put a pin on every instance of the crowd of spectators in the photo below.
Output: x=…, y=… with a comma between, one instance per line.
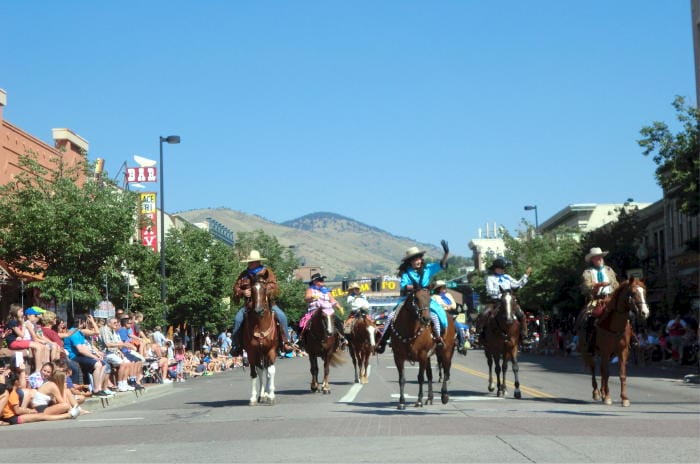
x=93, y=358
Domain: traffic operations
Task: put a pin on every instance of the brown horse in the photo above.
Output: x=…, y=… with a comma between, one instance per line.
x=361, y=345
x=412, y=340
x=501, y=343
x=260, y=340
x=322, y=341
x=613, y=334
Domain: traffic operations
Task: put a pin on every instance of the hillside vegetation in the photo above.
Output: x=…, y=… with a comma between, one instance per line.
x=341, y=246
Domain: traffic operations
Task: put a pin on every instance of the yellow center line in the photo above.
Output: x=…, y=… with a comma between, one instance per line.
x=523, y=388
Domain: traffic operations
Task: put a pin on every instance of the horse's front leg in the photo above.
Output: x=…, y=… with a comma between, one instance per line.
x=326, y=388
x=313, y=362
x=605, y=376
x=271, y=384
x=254, y=389
x=516, y=368
x=624, y=356
x=421, y=379
x=499, y=387
x=402, y=384
x=355, y=360
x=429, y=372
x=504, y=385
x=446, y=363
x=489, y=361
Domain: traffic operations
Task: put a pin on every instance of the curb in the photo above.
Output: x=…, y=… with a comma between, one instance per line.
x=130, y=397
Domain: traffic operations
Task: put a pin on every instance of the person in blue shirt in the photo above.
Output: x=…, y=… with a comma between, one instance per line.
x=416, y=274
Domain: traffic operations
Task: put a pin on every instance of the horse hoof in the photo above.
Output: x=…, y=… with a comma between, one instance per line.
x=625, y=403
x=253, y=403
x=607, y=401
x=498, y=393
x=429, y=401
x=596, y=396
x=491, y=389
x=326, y=391
x=401, y=407
x=418, y=404
x=517, y=394
x=445, y=398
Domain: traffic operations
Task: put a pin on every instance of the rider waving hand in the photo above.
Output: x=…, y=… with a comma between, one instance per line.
x=416, y=274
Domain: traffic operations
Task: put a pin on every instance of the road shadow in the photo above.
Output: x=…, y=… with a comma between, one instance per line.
x=390, y=409
x=220, y=404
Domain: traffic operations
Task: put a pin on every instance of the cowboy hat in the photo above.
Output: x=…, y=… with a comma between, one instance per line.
x=316, y=277
x=253, y=256
x=412, y=253
x=498, y=262
x=354, y=285
x=595, y=251
x=440, y=283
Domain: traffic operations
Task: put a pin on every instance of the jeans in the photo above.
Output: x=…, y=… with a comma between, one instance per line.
x=279, y=314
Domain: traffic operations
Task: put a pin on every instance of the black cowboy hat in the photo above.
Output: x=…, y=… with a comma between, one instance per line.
x=498, y=262
x=316, y=277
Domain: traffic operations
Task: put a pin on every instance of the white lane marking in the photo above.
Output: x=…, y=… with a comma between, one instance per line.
x=105, y=420
x=453, y=398
x=355, y=389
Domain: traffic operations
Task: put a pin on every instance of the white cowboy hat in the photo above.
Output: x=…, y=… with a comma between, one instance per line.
x=253, y=256
x=354, y=285
x=595, y=251
x=440, y=283
x=412, y=253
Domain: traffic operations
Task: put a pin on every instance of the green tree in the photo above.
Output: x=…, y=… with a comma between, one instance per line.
x=56, y=221
x=620, y=237
x=676, y=155
x=282, y=261
x=555, y=261
x=199, y=278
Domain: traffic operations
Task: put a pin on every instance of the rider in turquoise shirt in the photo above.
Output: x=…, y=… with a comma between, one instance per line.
x=415, y=274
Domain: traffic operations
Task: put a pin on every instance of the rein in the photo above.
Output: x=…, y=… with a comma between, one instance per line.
x=422, y=327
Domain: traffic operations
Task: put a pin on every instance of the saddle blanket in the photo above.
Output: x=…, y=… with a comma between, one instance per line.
x=305, y=320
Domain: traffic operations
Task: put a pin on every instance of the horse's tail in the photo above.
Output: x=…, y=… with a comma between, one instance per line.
x=337, y=359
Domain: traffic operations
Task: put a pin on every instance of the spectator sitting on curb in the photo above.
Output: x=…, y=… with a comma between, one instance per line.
x=80, y=351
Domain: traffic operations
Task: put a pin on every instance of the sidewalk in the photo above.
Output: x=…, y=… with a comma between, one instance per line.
x=574, y=364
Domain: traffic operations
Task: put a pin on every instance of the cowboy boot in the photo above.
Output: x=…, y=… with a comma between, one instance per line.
x=237, y=348
x=523, y=325
x=381, y=344
x=341, y=338
x=285, y=346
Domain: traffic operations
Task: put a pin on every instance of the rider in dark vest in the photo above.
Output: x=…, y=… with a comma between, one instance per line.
x=241, y=290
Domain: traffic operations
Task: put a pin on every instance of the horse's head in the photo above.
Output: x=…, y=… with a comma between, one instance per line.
x=420, y=300
x=637, y=296
x=508, y=304
x=258, y=296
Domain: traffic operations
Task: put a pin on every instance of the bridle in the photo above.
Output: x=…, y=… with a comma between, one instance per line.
x=259, y=297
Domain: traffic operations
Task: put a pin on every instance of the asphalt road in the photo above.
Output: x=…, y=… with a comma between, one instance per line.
x=209, y=420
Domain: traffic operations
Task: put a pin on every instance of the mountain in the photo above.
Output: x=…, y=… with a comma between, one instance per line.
x=341, y=246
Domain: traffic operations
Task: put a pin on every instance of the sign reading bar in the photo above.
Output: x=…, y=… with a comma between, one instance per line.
x=141, y=175
x=148, y=220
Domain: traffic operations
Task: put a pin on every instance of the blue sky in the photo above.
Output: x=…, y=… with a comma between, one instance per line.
x=426, y=119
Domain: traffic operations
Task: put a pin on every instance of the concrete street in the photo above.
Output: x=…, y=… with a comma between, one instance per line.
x=208, y=420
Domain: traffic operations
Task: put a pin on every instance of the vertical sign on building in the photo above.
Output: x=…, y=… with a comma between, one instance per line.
x=149, y=220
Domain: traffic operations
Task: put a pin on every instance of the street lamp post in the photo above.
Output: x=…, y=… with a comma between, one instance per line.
x=168, y=139
x=537, y=222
